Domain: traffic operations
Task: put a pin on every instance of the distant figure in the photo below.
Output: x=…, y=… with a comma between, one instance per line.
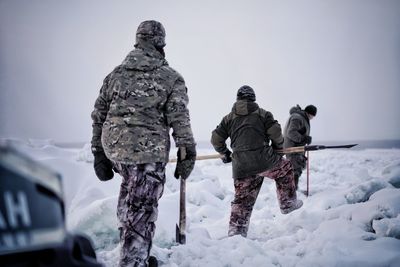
x=255, y=137
x=297, y=133
x=139, y=102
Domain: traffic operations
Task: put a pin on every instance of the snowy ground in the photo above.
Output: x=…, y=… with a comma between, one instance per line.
x=351, y=218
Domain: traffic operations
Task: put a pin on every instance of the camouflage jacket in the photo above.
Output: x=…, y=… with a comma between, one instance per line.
x=297, y=128
x=254, y=134
x=139, y=102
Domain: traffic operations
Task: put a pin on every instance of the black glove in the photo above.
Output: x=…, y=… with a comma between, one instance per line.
x=103, y=167
x=227, y=157
x=185, y=162
x=307, y=139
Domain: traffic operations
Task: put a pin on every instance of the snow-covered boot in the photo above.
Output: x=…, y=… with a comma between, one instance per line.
x=153, y=261
x=296, y=205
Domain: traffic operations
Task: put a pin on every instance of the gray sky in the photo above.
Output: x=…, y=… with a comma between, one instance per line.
x=342, y=56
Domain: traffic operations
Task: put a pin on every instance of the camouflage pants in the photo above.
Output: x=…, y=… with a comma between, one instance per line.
x=299, y=162
x=247, y=189
x=141, y=188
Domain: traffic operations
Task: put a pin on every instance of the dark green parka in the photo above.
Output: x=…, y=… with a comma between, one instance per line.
x=297, y=128
x=254, y=136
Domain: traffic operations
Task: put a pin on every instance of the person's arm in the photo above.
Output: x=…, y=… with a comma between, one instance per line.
x=274, y=131
x=99, y=115
x=102, y=165
x=177, y=114
x=219, y=136
x=178, y=119
x=293, y=132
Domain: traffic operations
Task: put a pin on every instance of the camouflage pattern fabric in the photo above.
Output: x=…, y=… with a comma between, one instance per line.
x=152, y=31
x=246, y=192
x=141, y=188
x=139, y=102
x=282, y=173
x=247, y=189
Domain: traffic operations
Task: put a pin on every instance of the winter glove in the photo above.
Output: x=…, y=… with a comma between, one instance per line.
x=227, y=157
x=307, y=139
x=103, y=166
x=185, y=162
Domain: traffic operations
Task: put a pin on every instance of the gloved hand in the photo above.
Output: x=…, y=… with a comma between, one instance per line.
x=185, y=163
x=308, y=139
x=103, y=166
x=227, y=157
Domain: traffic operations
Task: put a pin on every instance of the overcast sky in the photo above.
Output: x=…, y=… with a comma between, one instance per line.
x=341, y=56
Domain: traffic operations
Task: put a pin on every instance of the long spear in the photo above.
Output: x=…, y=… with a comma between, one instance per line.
x=299, y=149
x=289, y=150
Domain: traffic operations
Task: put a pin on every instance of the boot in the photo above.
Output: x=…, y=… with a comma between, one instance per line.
x=153, y=261
x=296, y=205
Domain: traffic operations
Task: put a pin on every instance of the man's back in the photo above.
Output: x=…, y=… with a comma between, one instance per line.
x=135, y=129
x=246, y=126
x=250, y=129
x=138, y=103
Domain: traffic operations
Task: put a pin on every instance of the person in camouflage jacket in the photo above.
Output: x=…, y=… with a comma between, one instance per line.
x=297, y=133
x=255, y=136
x=139, y=102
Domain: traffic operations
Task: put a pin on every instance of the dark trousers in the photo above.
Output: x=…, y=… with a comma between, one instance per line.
x=299, y=161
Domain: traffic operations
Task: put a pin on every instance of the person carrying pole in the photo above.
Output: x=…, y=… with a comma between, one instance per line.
x=297, y=134
x=255, y=139
x=139, y=102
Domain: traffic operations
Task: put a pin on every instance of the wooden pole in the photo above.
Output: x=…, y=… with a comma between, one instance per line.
x=181, y=228
x=218, y=156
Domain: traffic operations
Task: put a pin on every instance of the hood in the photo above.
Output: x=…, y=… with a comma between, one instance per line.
x=297, y=109
x=144, y=59
x=244, y=107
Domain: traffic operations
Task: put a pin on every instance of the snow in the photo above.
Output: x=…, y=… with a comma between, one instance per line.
x=351, y=218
